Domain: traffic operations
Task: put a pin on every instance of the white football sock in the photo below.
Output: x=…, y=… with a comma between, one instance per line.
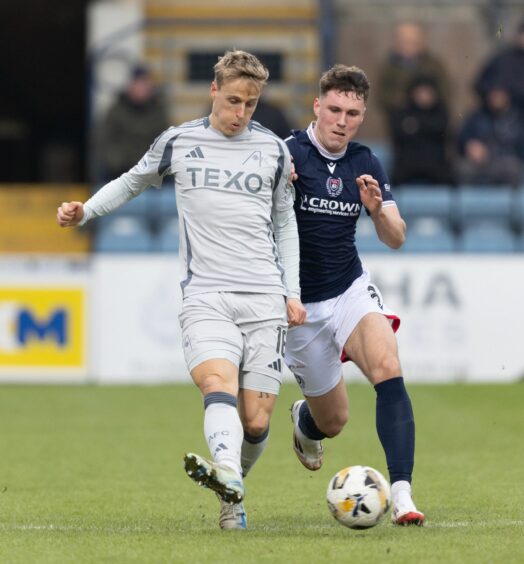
x=224, y=434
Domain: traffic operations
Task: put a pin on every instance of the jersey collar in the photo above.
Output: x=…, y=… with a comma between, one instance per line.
x=320, y=148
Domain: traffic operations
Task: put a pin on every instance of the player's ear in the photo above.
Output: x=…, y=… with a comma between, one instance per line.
x=316, y=106
x=213, y=89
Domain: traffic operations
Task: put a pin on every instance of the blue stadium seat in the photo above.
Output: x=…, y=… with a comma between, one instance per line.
x=366, y=238
x=168, y=237
x=484, y=202
x=518, y=209
x=429, y=235
x=424, y=200
x=122, y=234
x=487, y=237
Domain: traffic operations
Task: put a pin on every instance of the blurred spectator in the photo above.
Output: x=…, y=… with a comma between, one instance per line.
x=271, y=116
x=420, y=136
x=138, y=115
x=506, y=69
x=408, y=58
x=492, y=141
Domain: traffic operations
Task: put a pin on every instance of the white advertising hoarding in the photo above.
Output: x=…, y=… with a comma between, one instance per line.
x=114, y=318
x=460, y=315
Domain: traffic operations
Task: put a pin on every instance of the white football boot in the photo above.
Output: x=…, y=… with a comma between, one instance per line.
x=403, y=510
x=308, y=451
x=232, y=516
x=217, y=477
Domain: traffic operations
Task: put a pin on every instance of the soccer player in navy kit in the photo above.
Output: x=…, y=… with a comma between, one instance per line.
x=337, y=179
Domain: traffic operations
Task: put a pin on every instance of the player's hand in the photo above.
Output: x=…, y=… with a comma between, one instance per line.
x=296, y=312
x=70, y=214
x=370, y=193
x=293, y=174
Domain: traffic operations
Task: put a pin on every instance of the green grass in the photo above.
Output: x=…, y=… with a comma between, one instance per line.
x=94, y=474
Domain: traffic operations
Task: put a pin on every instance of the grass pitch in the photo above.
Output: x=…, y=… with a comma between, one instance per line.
x=94, y=474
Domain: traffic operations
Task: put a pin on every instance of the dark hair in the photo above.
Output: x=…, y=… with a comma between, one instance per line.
x=345, y=79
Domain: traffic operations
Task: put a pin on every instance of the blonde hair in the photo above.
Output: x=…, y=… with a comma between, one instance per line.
x=240, y=64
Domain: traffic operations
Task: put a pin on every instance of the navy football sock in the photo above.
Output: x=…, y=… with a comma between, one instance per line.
x=307, y=424
x=396, y=428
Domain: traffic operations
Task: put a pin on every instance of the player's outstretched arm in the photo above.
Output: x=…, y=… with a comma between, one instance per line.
x=70, y=214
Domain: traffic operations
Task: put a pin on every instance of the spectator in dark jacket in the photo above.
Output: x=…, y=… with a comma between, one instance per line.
x=492, y=141
x=137, y=115
x=408, y=58
x=506, y=69
x=420, y=136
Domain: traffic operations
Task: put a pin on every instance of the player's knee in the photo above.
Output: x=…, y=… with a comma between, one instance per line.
x=387, y=368
x=256, y=428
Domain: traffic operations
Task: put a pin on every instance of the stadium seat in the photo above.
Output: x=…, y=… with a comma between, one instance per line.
x=518, y=210
x=168, y=237
x=484, y=203
x=424, y=200
x=487, y=237
x=122, y=234
x=429, y=235
x=366, y=238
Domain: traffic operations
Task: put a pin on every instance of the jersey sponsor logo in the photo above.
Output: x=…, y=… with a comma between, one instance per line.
x=329, y=207
x=41, y=327
x=387, y=187
x=223, y=178
x=196, y=153
x=254, y=157
x=334, y=186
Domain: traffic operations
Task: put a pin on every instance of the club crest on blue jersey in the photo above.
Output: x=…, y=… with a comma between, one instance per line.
x=334, y=186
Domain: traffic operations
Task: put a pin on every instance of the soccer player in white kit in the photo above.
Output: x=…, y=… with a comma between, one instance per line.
x=240, y=257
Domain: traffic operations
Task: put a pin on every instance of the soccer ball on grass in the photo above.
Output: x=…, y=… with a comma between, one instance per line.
x=358, y=497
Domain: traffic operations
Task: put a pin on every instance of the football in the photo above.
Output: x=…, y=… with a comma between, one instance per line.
x=358, y=497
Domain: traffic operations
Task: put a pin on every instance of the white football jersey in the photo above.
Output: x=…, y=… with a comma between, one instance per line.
x=226, y=190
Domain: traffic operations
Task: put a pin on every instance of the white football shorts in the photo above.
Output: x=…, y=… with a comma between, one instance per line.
x=314, y=351
x=247, y=329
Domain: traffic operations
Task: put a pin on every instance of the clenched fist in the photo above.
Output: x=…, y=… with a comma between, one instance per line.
x=70, y=214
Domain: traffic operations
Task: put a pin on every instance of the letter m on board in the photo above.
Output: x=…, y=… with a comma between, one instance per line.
x=53, y=327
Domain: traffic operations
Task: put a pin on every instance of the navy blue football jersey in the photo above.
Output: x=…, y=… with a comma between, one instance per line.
x=327, y=206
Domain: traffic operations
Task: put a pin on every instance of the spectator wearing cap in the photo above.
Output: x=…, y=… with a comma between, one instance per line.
x=138, y=115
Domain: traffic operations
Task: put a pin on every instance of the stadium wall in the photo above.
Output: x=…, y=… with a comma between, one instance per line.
x=114, y=318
